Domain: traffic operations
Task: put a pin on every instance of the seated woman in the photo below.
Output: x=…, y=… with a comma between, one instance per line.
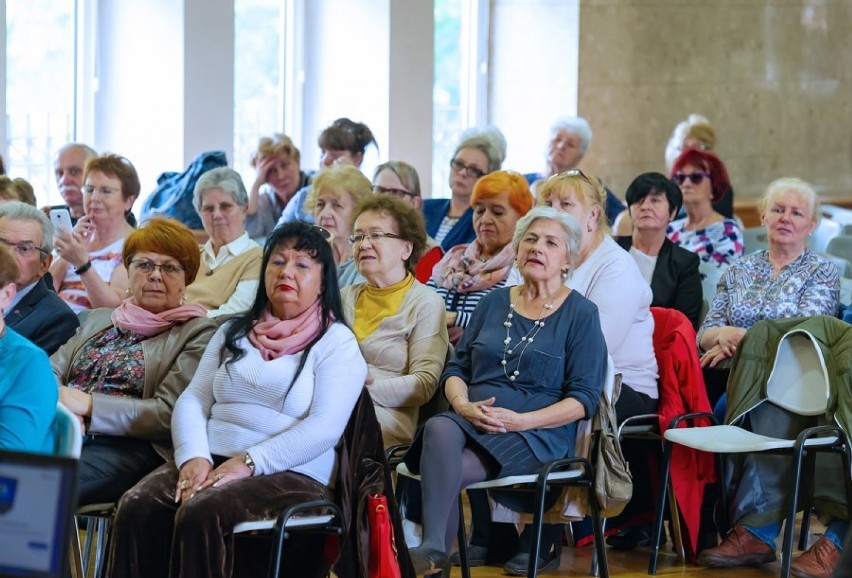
x=255, y=430
x=672, y=271
x=703, y=180
x=468, y=272
x=399, y=323
x=279, y=176
x=90, y=271
x=515, y=404
x=230, y=262
x=449, y=221
x=123, y=370
x=27, y=388
x=334, y=194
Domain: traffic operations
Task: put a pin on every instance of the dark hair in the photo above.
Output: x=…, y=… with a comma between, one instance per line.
x=409, y=222
x=652, y=184
x=346, y=135
x=298, y=236
x=706, y=161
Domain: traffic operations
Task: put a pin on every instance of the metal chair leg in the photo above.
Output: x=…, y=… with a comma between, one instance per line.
x=790, y=524
x=462, y=539
x=661, y=501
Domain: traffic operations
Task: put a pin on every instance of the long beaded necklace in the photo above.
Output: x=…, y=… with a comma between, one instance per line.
x=525, y=340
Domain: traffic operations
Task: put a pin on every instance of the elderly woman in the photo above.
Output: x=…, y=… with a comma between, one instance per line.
x=123, y=371
x=342, y=143
x=450, y=221
x=399, y=323
x=27, y=389
x=279, y=176
x=671, y=271
x=469, y=271
x=334, y=194
x=784, y=280
x=703, y=180
x=398, y=179
x=255, y=430
x=515, y=404
x=230, y=262
x=90, y=271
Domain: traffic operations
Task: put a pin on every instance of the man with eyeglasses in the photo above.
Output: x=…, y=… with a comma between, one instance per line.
x=68, y=165
x=36, y=312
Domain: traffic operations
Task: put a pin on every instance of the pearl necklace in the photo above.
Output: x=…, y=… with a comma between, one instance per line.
x=525, y=340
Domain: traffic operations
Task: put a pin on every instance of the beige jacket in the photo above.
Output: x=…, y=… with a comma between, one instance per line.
x=170, y=362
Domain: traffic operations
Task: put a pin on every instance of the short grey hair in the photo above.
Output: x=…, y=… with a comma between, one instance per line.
x=570, y=226
x=489, y=140
x=575, y=125
x=224, y=178
x=19, y=211
x=799, y=186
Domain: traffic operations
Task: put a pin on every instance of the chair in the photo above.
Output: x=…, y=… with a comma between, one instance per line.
x=841, y=247
x=68, y=441
x=754, y=239
x=826, y=230
x=844, y=268
x=558, y=473
x=799, y=384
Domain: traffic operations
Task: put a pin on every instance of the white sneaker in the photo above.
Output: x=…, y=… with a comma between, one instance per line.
x=413, y=533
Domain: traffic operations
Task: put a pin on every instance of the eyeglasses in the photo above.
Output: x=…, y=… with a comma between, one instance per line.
x=695, y=178
x=147, y=267
x=24, y=249
x=466, y=170
x=372, y=236
x=224, y=208
x=89, y=190
x=399, y=193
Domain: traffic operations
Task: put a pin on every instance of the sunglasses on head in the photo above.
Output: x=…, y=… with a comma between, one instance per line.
x=695, y=178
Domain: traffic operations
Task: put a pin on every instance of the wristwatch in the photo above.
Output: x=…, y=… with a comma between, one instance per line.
x=249, y=462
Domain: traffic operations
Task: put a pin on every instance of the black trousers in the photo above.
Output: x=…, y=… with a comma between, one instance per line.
x=111, y=465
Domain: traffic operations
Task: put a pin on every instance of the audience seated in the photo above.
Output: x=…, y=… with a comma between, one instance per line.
x=570, y=138
x=230, y=262
x=703, y=180
x=89, y=271
x=279, y=176
x=16, y=190
x=342, y=143
x=540, y=399
x=68, y=169
x=123, y=370
x=334, y=194
x=256, y=429
x=399, y=323
x=450, y=221
x=36, y=312
x=672, y=271
x=27, y=389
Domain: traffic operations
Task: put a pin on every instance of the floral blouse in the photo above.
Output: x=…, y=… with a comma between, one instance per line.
x=748, y=293
x=112, y=363
x=720, y=244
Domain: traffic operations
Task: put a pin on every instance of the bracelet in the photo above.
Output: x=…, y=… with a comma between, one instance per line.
x=83, y=268
x=456, y=397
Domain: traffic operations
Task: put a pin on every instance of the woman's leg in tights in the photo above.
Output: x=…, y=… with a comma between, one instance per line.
x=446, y=466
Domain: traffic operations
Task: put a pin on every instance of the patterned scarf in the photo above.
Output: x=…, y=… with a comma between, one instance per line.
x=462, y=270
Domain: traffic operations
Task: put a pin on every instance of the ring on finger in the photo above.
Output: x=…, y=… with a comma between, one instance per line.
x=184, y=484
x=217, y=477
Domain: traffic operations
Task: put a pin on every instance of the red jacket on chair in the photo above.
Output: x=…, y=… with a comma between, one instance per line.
x=682, y=391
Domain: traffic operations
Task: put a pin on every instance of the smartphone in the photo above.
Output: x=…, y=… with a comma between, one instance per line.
x=61, y=218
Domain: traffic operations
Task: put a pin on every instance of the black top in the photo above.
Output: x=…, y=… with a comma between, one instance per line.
x=43, y=318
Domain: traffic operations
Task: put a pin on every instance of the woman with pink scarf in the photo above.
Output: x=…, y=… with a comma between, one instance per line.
x=256, y=428
x=468, y=272
x=123, y=370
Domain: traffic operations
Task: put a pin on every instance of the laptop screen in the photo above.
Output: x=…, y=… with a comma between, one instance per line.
x=37, y=498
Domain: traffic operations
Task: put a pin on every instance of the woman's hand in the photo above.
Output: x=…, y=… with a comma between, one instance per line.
x=510, y=420
x=78, y=402
x=473, y=411
x=716, y=354
x=727, y=339
x=230, y=471
x=263, y=169
x=192, y=475
x=72, y=245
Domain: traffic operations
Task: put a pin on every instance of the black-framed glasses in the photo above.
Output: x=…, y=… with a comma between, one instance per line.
x=147, y=267
x=24, y=249
x=90, y=190
x=695, y=178
x=466, y=170
x=399, y=193
x=373, y=236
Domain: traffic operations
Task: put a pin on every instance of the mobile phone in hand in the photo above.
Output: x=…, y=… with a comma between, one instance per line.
x=61, y=218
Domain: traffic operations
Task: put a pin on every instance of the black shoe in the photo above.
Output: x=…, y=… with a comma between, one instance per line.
x=428, y=561
x=634, y=537
x=519, y=564
x=476, y=556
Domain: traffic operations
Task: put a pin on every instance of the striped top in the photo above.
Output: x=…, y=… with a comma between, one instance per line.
x=462, y=303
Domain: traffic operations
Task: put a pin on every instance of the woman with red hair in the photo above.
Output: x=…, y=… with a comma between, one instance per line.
x=703, y=180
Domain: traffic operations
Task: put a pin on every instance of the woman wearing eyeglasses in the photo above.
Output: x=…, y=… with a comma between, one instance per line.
x=230, y=261
x=399, y=323
x=400, y=180
x=703, y=180
x=450, y=221
x=90, y=272
x=125, y=368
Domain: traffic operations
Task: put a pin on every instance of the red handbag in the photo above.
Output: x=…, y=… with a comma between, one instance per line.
x=383, y=558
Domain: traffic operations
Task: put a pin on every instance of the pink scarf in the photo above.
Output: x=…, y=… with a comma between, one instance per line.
x=276, y=337
x=463, y=271
x=130, y=317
